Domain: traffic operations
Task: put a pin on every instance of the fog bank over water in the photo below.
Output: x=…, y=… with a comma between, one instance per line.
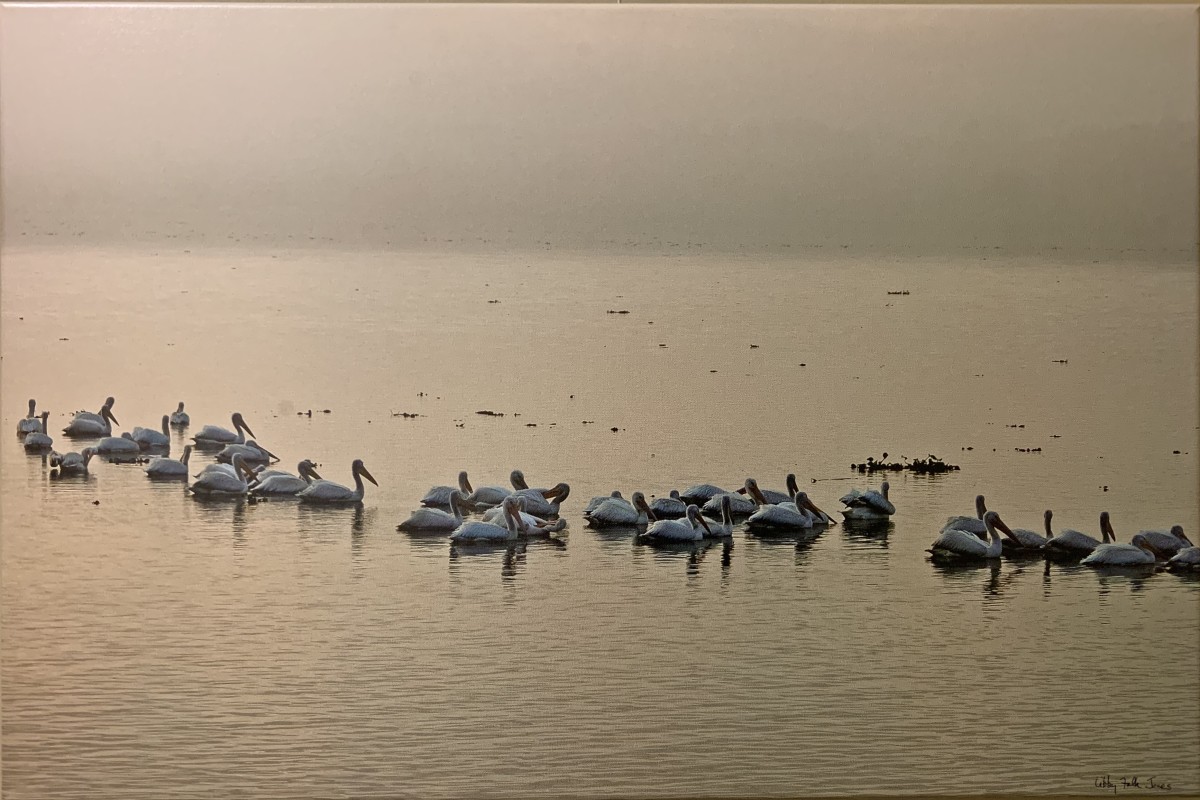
x=914, y=129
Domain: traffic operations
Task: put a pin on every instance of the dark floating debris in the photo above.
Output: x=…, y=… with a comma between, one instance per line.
x=1028, y=449
x=622, y=311
x=661, y=345
x=493, y=301
x=1014, y=426
x=589, y=422
x=326, y=411
x=712, y=370
x=1056, y=436
x=921, y=466
x=489, y=413
x=902, y=291
x=753, y=347
x=614, y=430
x=530, y=424
x=1058, y=361
x=404, y=414
x=95, y=502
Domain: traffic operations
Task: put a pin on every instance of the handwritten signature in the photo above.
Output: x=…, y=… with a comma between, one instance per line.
x=1117, y=784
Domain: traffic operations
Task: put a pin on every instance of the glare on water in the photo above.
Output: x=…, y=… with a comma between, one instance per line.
x=159, y=645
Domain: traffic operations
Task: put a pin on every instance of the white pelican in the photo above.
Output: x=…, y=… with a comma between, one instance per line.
x=87, y=425
x=667, y=507
x=488, y=496
x=544, y=502
x=616, y=512
x=1024, y=540
x=1071, y=542
x=1186, y=559
x=701, y=493
x=961, y=544
x=476, y=531
x=970, y=524
x=148, y=437
x=1112, y=554
x=439, y=496
x=868, y=505
x=525, y=520
x=1167, y=544
x=252, y=453
x=214, y=436
x=434, y=519
x=774, y=497
x=179, y=418
x=595, y=502
x=219, y=482
x=39, y=439
x=717, y=530
x=74, y=463
x=800, y=514
x=743, y=503
x=30, y=423
x=284, y=485
x=330, y=492
x=688, y=529
x=118, y=445
x=169, y=467
x=97, y=417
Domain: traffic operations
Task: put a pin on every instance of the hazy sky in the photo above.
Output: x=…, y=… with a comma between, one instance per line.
x=917, y=127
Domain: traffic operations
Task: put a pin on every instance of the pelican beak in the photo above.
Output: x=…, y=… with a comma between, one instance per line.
x=1006, y=530
x=811, y=506
x=313, y=472
x=704, y=524
x=108, y=413
x=269, y=453
x=759, y=496
x=368, y=476
x=252, y=433
x=742, y=490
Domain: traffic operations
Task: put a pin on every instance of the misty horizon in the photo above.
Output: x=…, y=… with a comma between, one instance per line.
x=924, y=130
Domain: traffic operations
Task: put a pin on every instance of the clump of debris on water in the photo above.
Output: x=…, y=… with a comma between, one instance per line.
x=922, y=466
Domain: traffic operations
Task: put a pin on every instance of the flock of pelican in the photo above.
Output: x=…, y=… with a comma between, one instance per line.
x=242, y=468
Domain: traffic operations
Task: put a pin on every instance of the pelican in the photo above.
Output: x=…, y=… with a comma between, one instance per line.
x=1027, y=540
x=180, y=419
x=282, y=485
x=252, y=452
x=595, y=502
x=773, y=497
x=74, y=463
x=544, y=502
x=99, y=416
x=219, y=482
x=1138, y=551
x=1186, y=559
x=86, y=425
x=434, y=519
x=118, y=445
x=330, y=492
x=799, y=514
x=525, y=520
x=148, y=437
x=717, y=530
x=440, y=496
x=1167, y=544
x=617, y=512
x=743, y=503
x=1071, y=542
x=488, y=496
x=169, y=467
x=476, y=531
x=30, y=423
x=39, y=439
x=868, y=505
x=961, y=544
x=970, y=524
x=667, y=507
x=688, y=529
x=214, y=436
x=701, y=494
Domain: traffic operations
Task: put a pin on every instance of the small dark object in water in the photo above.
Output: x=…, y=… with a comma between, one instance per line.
x=461, y=425
x=572, y=397
x=1105, y=488
x=712, y=370
x=904, y=291
x=63, y=339
x=1176, y=452
x=921, y=466
x=489, y=413
x=95, y=502
x=1055, y=436
x=753, y=347
x=493, y=301
x=614, y=430
x=1058, y=361
x=661, y=345
x=530, y=424
x=326, y=411
x=1028, y=449
x=404, y=414
x=803, y=364
x=610, y=311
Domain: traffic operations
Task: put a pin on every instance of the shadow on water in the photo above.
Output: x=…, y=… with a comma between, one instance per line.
x=692, y=554
x=617, y=538
x=965, y=573
x=1112, y=577
x=469, y=555
x=868, y=534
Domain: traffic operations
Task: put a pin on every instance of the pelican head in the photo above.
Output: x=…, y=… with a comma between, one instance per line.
x=674, y=494
x=87, y=454
x=517, y=478
x=639, y=502
x=187, y=453
x=791, y=485
x=359, y=469
x=993, y=522
x=464, y=484
x=1177, y=532
x=167, y=424
x=127, y=435
x=305, y=467
x=559, y=492
x=109, y=401
x=180, y=409
x=980, y=507
x=752, y=489
x=1143, y=543
x=1106, y=528
x=240, y=424
x=883, y=490
x=32, y=408
x=802, y=498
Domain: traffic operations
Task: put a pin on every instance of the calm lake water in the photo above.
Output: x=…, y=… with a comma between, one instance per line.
x=158, y=646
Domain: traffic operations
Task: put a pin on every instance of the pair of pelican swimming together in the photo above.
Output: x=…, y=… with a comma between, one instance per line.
x=539, y=502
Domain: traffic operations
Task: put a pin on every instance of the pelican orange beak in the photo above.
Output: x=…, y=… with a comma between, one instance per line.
x=368, y=476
